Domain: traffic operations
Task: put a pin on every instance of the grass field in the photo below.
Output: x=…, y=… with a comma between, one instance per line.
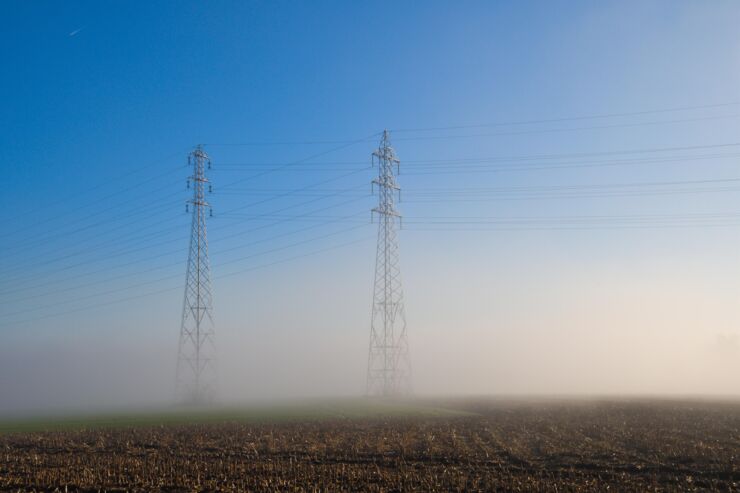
x=299, y=411
x=472, y=445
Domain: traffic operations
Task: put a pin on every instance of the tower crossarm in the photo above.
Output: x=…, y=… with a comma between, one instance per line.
x=386, y=211
x=386, y=182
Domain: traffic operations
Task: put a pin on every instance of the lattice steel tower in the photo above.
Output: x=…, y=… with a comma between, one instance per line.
x=388, y=366
x=196, y=370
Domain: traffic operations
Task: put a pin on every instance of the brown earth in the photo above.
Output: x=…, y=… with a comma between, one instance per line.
x=505, y=446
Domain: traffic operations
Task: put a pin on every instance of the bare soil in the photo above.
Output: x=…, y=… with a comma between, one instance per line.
x=501, y=446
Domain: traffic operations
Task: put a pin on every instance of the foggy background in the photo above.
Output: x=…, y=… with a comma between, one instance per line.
x=615, y=308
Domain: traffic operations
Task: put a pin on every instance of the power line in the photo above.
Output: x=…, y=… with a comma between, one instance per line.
x=146, y=167
x=99, y=200
x=152, y=293
x=549, y=166
x=674, y=221
x=421, y=220
x=345, y=144
x=692, y=217
x=116, y=240
x=44, y=237
x=516, y=162
x=639, y=150
x=240, y=233
x=561, y=196
x=501, y=190
x=598, y=217
x=534, y=157
x=166, y=278
x=166, y=266
x=573, y=227
x=236, y=234
x=285, y=142
x=569, y=118
x=292, y=192
x=168, y=253
x=282, y=195
x=572, y=129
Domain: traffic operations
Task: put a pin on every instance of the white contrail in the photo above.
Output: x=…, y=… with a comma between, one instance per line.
x=73, y=33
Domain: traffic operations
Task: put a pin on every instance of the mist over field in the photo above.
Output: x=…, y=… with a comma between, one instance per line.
x=599, y=334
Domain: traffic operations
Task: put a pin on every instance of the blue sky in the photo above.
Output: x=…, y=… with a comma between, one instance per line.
x=102, y=102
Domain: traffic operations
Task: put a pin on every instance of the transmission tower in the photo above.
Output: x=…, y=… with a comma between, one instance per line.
x=196, y=370
x=388, y=366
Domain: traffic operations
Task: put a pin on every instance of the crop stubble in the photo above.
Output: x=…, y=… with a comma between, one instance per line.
x=624, y=446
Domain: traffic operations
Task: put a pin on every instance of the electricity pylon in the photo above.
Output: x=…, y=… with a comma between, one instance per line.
x=388, y=366
x=196, y=365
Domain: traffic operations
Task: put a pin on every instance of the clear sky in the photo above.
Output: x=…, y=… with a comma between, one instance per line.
x=570, y=194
